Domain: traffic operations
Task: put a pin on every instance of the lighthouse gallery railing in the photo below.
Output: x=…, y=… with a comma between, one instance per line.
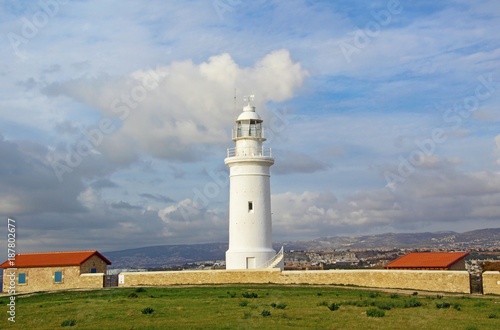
x=249, y=151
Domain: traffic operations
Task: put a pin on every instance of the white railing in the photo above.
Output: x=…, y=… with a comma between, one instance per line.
x=249, y=151
x=271, y=263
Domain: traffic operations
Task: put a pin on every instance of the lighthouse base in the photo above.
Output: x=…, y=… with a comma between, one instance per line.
x=248, y=259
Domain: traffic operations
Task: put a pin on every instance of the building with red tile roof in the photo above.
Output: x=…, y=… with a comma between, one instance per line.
x=430, y=261
x=54, y=271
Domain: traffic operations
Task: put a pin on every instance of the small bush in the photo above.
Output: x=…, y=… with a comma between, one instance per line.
x=374, y=295
x=68, y=323
x=249, y=295
x=231, y=294
x=319, y=294
x=147, y=310
x=243, y=303
x=140, y=290
x=281, y=306
x=471, y=327
x=333, y=307
x=133, y=295
x=457, y=307
x=415, y=293
x=265, y=313
x=394, y=296
x=384, y=306
x=375, y=312
x=492, y=316
x=443, y=305
x=413, y=302
x=439, y=296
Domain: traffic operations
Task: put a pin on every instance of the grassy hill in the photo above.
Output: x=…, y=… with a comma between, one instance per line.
x=250, y=307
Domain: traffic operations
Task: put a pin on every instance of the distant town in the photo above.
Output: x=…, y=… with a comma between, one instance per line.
x=373, y=251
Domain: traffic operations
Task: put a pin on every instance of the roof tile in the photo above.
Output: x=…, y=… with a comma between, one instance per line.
x=52, y=259
x=427, y=260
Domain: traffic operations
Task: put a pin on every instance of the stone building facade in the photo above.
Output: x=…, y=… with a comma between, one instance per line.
x=54, y=271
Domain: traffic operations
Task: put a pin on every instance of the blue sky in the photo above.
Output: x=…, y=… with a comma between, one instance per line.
x=115, y=116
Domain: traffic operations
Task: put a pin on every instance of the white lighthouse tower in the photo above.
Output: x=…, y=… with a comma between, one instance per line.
x=250, y=224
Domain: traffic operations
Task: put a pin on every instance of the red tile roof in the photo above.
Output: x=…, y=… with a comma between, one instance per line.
x=427, y=260
x=53, y=259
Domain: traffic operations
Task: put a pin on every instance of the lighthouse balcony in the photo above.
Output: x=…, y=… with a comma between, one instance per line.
x=249, y=152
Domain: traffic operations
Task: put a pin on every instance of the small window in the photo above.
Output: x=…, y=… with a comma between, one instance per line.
x=250, y=206
x=58, y=277
x=93, y=270
x=21, y=278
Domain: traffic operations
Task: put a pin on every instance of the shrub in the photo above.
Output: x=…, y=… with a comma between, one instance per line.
x=147, y=310
x=384, y=306
x=231, y=294
x=133, y=295
x=281, y=306
x=375, y=312
x=413, y=302
x=333, y=307
x=457, y=307
x=374, y=295
x=68, y=323
x=273, y=305
x=265, y=313
x=249, y=295
x=394, y=296
x=140, y=290
x=243, y=303
x=415, y=293
x=492, y=316
x=439, y=296
x=443, y=305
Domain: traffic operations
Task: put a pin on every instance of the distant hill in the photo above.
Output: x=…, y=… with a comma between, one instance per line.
x=168, y=255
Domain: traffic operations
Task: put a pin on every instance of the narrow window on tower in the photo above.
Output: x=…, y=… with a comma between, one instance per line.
x=250, y=207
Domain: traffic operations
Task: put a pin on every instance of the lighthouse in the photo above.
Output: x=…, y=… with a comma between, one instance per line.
x=250, y=223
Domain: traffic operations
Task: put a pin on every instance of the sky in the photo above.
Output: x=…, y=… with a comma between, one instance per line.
x=115, y=117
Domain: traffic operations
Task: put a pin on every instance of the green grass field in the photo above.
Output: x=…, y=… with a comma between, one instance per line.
x=250, y=307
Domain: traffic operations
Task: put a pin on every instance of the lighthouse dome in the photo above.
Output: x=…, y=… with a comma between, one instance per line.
x=249, y=113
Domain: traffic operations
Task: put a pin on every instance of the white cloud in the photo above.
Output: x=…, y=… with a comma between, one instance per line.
x=178, y=111
x=429, y=198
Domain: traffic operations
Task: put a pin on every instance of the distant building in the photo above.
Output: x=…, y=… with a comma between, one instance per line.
x=54, y=271
x=430, y=261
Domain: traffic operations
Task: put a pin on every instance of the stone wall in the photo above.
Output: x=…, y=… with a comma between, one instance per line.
x=90, y=281
x=444, y=281
x=491, y=282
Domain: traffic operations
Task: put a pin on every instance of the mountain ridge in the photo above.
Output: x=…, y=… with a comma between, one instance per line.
x=159, y=256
